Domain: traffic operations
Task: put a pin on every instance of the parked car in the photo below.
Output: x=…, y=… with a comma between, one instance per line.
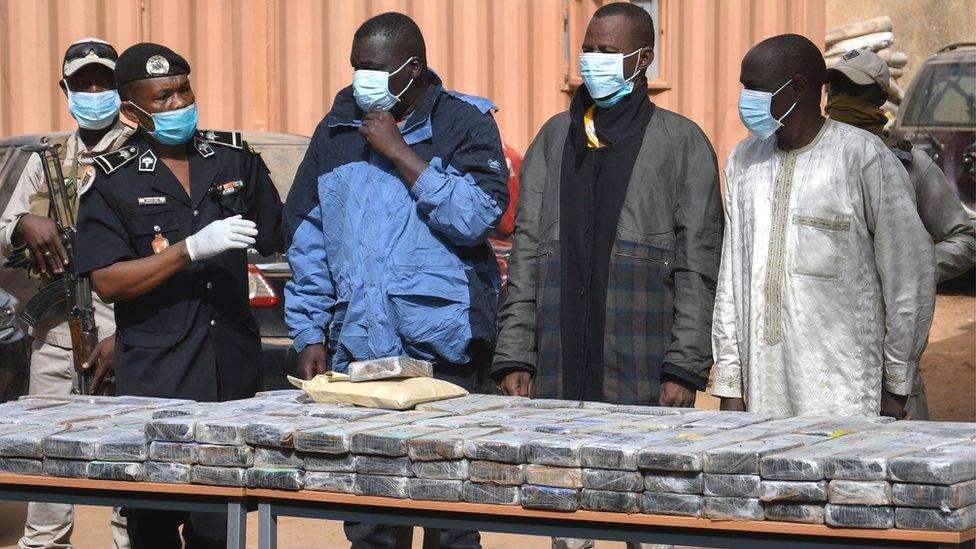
x=938, y=115
x=267, y=276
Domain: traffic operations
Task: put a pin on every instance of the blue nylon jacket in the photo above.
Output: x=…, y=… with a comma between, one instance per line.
x=383, y=269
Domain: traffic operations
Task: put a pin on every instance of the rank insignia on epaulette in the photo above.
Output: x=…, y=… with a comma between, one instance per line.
x=147, y=161
x=111, y=161
x=233, y=140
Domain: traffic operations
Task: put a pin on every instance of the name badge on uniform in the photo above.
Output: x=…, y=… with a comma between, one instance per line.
x=228, y=188
x=152, y=200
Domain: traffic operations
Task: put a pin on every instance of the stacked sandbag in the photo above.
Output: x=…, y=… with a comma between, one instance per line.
x=875, y=35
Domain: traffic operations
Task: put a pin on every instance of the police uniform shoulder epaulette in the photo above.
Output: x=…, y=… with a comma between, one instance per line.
x=112, y=161
x=234, y=140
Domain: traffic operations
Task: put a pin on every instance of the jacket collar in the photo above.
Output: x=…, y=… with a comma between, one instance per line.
x=417, y=126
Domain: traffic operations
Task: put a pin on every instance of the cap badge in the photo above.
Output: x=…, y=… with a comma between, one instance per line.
x=157, y=65
x=851, y=55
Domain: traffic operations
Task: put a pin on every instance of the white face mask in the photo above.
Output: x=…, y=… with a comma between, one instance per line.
x=372, y=88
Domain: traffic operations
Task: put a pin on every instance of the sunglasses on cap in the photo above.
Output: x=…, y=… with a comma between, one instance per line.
x=84, y=49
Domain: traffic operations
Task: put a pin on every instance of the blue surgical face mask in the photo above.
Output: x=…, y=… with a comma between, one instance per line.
x=603, y=75
x=372, y=88
x=756, y=114
x=172, y=127
x=93, y=111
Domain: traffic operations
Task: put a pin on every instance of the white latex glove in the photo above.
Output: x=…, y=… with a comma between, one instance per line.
x=233, y=233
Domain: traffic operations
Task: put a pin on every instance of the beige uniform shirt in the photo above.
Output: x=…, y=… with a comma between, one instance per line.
x=55, y=331
x=827, y=283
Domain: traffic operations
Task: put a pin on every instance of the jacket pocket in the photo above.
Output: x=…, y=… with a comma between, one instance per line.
x=430, y=312
x=146, y=224
x=819, y=246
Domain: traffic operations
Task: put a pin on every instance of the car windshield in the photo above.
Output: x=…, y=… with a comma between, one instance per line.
x=945, y=97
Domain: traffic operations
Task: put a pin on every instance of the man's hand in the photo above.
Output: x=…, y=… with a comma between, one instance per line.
x=516, y=383
x=381, y=131
x=102, y=360
x=42, y=237
x=312, y=361
x=732, y=405
x=677, y=394
x=893, y=405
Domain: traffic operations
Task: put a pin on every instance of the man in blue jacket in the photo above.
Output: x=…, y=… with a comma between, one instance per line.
x=388, y=218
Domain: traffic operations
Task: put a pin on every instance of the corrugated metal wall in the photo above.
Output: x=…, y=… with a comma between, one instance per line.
x=276, y=64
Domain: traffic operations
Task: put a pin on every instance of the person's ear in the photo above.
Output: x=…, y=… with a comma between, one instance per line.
x=416, y=67
x=799, y=85
x=644, y=59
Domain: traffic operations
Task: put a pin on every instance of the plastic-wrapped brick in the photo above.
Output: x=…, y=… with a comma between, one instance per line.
x=731, y=486
x=79, y=444
x=391, y=441
x=808, y=462
x=54, y=467
x=409, y=416
x=218, y=476
x=507, y=447
x=794, y=491
x=169, y=473
x=277, y=457
x=330, y=463
x=172, y=429
x=618, y=453
x=610, y=501
x=673, y=483
x=382, y=485
x=934, y=467
x=470, y=404
x=864, y=466
x=227, y=431
x=126, y=445
x=742, y=458
x=116, y=470
x=275, y=478
x=174, y=452
x=934, y=496
x=650, y=410
x=684, y=450
x=549, y=497
x=455, y=469
x=685, y=505
x=26, y=443
x=279, y=432
x=225, y=456
x=384, y=465
x=564, y=414
x=546, y=475
x=547, y=403
x=192, y=409
x=806, y=513
x=859, y=516
x=493, y=472
x=859, y=492
x=20, y=466
x=457, y=423
x=389, y=368
x=444, y=445
x=333, y=439
x=437, y=490
x=558, y=451
x=476, y=492
x=613, y=480
x=352, y=413
x=732, y=509
x=945, y=429
x=844, y=426
x=936, y=519
x=343, y=483
x=732, y=420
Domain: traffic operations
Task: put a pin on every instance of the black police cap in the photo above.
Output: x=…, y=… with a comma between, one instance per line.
x=147, y=60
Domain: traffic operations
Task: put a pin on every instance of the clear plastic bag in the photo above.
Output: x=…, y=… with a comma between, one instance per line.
x=172, y=429
x=793, y=491
x=438, y=490
x=331, y=463
x=549, y=497
x=225, y=431
x=54, y=467
x=225, y=456
x=277, y=458
x=860, y=516
x=673, y=483
x=391, y=441
x=275, y=478
x=560, y=477
x=507, y=447
x=558, y=451
x=278, y=431
x=168, y=473
x=494, y=472
x=806, y=513
x=333, y=439
x=934, y=467
x=382, y=485
x=731, y=486
x=686, y=505
x=470, y=404
x=455, y=469
x=742, y=458
x=732, y=509
x=389, y=368
x=444, y=445
x=343, y=483
x=615, y=452
x=934, y=496
x=174, y=452
x=859, y=492
x=476, y=492
x=117, y=470
x=384, y=465
x=613, y=502
x=218, y=476
x=958, y=520
x=21, y=466
x=612, y=480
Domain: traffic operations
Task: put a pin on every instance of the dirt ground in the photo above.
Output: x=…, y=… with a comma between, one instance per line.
x=948, y=368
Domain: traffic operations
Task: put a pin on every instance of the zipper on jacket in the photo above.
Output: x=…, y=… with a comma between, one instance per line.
x=664, y=262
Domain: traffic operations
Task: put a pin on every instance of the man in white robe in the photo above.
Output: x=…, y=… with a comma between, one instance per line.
x=827, y=284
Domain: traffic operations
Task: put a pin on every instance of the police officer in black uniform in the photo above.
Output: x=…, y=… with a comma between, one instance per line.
x=163, y=232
